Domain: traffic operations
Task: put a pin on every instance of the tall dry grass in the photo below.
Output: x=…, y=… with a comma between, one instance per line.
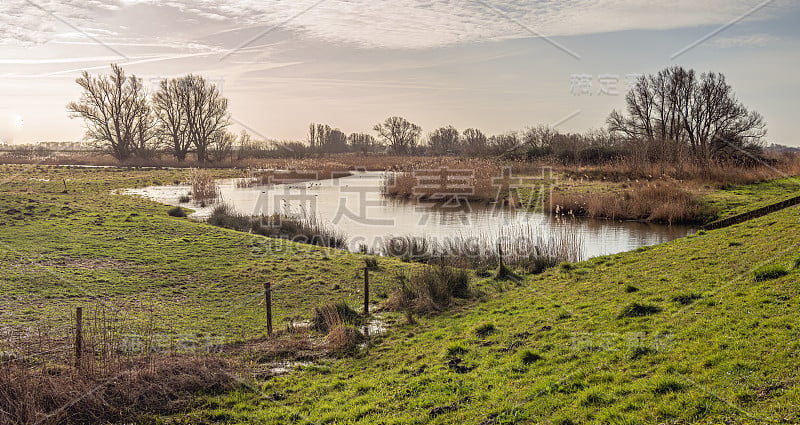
x=523, y=246
x=307, y=229
x=338, y=321
x=204, y=188
x=658, y=202
x=115, y=381
x=430, y=289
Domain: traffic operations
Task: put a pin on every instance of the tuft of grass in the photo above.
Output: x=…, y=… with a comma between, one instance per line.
x=455, y=350
x=176, y=212
x=734, y=243
x=430, y=289
x=797, y=262
x=668, y=385
x=769, y=272
x=630, y=288
x=328, y=316
x=686, y=299
x=527, y=357
x=485, y=329
x=184, y=199
x=371, y=263
x=636, y=309
x=641, y=351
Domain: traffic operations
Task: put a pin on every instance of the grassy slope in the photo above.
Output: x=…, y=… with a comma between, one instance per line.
x=89, y=247
x=741, y=199
x=722, y=346
x=736, y=342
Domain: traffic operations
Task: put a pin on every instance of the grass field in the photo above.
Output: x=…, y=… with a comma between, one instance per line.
x=90, y=247
x=701, y=329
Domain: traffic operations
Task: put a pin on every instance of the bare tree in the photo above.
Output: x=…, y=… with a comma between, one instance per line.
x=116, y=113
x=400, y=134
x=362, y=142
x=206, y=112
x=674, y=110
x=443, y=140
x=221, y=146
x=171, y=114
x=474, y=141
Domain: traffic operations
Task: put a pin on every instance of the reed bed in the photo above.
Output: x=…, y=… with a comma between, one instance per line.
x=523, y=247
x=658, y=202
x=305, y=228
x=323, y=171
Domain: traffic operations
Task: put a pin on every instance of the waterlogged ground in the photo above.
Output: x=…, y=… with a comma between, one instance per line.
x=676, y=333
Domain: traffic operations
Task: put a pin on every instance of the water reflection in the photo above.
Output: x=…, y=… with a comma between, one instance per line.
x=355, y=206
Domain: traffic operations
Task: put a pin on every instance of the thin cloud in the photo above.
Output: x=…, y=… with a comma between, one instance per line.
x=752, y=40
x=406, y=24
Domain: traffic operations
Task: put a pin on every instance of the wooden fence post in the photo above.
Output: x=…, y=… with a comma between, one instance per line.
x=78, y=335
x=366, y=291
x=268, y=300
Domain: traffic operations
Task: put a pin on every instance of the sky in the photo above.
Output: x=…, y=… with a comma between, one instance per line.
x=494, y=65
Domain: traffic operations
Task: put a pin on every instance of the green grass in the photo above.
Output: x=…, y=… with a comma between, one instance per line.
x=730, y=354
x=736, y=200
x=92, y=247
x=769, y=272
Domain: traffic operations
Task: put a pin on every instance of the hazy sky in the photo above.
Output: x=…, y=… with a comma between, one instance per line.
x=494, y=65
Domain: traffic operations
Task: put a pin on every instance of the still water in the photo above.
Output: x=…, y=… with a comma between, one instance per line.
x=355, y=206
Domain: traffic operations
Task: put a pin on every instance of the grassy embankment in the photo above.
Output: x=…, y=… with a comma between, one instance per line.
x=694, y=330
x=712, y=341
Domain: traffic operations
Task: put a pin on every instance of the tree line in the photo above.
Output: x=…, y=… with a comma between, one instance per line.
x=674, y=115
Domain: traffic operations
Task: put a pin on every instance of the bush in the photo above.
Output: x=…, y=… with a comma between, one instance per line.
x=769, y=272
x=638, y=310
x=176, y=212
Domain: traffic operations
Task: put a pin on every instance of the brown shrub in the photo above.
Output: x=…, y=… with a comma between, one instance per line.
x=67, y=396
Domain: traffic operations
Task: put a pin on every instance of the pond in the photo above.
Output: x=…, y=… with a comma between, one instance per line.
x=355, y=206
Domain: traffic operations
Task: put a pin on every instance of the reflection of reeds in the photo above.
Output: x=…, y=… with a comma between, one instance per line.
x=204, y=189
x=523, y=247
